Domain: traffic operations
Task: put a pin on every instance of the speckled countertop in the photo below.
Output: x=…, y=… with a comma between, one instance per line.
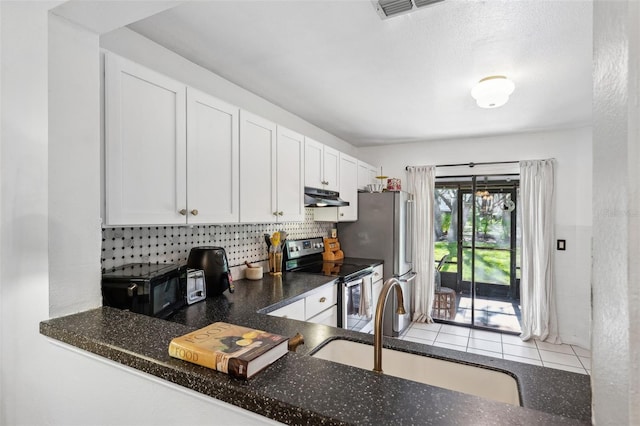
x=299, y=389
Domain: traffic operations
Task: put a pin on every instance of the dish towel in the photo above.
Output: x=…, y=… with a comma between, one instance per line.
x=365, y=300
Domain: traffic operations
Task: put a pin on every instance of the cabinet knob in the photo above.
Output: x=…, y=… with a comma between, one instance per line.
x=323, y=299
x=194, y=212
x=275, y=213
x=341, y=214
x=376, y=274
x=183, y=212
x=280, y=213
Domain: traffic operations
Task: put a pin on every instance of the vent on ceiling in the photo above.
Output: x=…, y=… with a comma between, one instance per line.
x=390, y=8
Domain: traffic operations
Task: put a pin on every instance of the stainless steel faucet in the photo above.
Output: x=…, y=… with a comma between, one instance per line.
x=377, y=328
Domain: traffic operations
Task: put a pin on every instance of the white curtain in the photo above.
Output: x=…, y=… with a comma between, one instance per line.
x=422, y=185
x=537, y=196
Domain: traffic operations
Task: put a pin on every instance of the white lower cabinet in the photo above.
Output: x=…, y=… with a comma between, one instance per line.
x=293, y=310
x=327, y=317
x=320, y=307
x=320, y=301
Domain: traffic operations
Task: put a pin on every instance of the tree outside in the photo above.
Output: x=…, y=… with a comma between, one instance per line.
x=492, y=239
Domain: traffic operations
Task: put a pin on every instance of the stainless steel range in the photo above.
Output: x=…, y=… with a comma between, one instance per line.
x=355, y=280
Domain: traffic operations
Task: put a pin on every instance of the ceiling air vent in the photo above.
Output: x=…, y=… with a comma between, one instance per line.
x=421, y=3
x=394, y=7
x=390, y=8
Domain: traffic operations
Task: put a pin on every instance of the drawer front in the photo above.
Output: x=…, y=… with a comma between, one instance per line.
x=293, y=310
x=378, y=273
x=327, y=317
x=321, y=300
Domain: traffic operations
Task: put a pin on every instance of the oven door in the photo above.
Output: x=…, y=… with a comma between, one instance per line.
x=357, y=304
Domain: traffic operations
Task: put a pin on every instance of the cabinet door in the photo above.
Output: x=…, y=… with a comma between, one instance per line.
x=373, y=172
x=293, y=310
x=331, y=169
x=257, y=169
x=290, y=176
x=145, y=145
x=348, y=188
x=321, y=301
x=313, y=163
x=212, y=160
x=364, y=175
x=328, y=317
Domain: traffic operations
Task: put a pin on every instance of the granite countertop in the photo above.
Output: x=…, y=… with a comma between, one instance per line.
x=301, y=389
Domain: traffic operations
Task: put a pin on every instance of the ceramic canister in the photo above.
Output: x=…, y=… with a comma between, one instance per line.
x=393, y=184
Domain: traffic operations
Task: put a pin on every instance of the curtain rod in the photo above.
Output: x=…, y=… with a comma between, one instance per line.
x=472, y=164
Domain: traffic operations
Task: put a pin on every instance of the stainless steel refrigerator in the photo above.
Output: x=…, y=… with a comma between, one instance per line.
x=383, y=231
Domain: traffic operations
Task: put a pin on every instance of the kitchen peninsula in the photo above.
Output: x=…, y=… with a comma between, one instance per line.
x=300, y=389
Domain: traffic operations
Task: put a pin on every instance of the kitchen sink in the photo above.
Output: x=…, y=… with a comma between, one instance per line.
x=451, y=375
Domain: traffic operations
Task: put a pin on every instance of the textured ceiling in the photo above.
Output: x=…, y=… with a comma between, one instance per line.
x=371, y=81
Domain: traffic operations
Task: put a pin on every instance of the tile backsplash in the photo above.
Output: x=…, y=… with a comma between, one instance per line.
x=171, y=244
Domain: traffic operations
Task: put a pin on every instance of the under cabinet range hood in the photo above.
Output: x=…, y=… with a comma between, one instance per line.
x=314, y=197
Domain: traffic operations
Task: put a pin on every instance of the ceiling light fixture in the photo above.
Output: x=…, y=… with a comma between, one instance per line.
x=492, y=91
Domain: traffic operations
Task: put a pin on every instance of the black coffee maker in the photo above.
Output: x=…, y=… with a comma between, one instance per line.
x=213, y=261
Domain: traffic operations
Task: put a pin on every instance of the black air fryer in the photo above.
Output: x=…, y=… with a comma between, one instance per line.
x=213, y=261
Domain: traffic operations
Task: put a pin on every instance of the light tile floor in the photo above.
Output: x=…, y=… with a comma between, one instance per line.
x=498, y=345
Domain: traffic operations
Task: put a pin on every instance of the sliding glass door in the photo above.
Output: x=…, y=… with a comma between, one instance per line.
x=476, y=233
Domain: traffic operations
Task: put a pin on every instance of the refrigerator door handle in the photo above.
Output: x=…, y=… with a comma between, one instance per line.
x=408, y=238
x=409, y=279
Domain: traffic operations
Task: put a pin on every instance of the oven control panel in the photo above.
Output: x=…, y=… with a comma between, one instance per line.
x=300, y=248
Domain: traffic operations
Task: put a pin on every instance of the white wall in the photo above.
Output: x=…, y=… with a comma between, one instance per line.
x=74, y=178
x=24, y=294
x=616, y=221
x=42, y=383
x=572, y=150
x=137, y=48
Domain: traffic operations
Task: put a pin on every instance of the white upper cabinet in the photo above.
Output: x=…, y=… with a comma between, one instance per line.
x=321, y=166
x=171, y=152
x=145, y=145
x=212, y=160
x=313, y=164
x=348, y=192
x=331, y=168
x=290, y=175
x=271, y=171
x=366, y=175
x=348, y=188
x=176, y=156
x=257, y=169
